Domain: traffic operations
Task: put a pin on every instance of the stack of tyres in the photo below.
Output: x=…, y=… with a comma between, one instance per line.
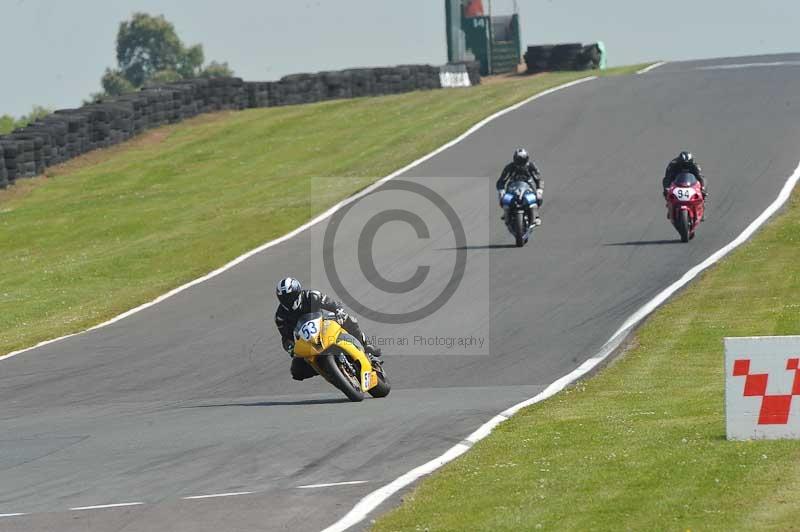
x=428, y=77
x=68, y=133
x=537, y=58
x=59, y=130
x=77, y=136
x=362, y=81
x=257, y=94
x=565, y=56
x=590, y=58
x=3, y=171
x=42, y=146
x=474, y=72
x=10, y=158
x=337, y=85
x=25, y=162
x=572, y=56
x=30, y=157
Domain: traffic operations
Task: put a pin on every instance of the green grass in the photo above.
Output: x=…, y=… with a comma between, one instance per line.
x=119, y=227
x=641, y=446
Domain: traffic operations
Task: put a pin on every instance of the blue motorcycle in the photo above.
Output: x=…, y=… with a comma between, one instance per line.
x=519, y=201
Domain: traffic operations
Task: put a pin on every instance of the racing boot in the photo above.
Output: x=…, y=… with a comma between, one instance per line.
x=372, y=351
x=369, y=349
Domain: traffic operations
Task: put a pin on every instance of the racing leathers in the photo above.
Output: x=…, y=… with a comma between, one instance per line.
x=677, y=166
x=310, y=301
x=528, y=173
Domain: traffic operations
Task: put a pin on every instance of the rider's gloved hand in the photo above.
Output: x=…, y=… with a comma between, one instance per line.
x=341, y=316
x=500, y=196
x=288, y=346
x=539, y=195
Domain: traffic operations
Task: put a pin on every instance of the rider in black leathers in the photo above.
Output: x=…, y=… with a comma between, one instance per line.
x=524, y=169
x=684, y=162
x=294, y=302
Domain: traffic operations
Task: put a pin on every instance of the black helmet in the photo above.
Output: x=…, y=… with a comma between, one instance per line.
x=521, y=157
x=288, y=292
x=685, y=156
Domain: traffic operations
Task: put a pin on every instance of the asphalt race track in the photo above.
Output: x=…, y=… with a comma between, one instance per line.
x=193, y=397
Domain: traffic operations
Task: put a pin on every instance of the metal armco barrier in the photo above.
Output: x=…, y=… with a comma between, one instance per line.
x=762, y=387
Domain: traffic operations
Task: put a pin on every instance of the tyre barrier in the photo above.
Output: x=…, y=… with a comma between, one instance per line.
x=570, y=56
x=68, y=133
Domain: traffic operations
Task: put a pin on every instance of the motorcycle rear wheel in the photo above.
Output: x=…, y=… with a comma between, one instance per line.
x=383, y=387
x=331, y=370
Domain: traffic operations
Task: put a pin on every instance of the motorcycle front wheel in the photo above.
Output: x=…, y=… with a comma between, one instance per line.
x=683, y=225
x=340, y=375
x=519, y=228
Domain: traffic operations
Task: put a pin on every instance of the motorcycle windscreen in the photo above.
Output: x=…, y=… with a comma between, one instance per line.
x=685, y=179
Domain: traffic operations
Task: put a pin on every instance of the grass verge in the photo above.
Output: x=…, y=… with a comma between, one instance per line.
x=118, y=227
x=641, y=446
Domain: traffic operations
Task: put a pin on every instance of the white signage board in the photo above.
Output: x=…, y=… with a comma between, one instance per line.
x=454, y=76
x=762, y=387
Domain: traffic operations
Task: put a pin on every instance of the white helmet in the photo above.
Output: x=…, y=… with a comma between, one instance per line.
x=288, y=292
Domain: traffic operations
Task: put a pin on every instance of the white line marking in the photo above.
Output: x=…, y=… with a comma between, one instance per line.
x=749, y=65
x=654, y=66
x=349, y=483
x=366, y=505
x=101, y=506
x=308, y=224
x=11, y=515
x=214, y=495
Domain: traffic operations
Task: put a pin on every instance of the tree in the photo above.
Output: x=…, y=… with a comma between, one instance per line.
x=146, y=45
x=36, y=113
x=149, y=50
x=8, y=123
x=163, y=76
x=216, y=70
x=114, y=83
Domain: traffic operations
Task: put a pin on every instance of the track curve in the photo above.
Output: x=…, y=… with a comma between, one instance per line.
x=192, y=396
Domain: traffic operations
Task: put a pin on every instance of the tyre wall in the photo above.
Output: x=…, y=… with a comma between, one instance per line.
x=555, y=57
x=68, y=133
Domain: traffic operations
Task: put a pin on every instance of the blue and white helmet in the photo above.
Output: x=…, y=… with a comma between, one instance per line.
x=288, y=292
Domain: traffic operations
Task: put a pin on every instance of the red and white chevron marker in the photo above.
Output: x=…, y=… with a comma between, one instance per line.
x=762, y=387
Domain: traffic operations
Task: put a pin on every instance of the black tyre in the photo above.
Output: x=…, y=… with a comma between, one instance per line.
x=335, y=372
x=383, y=387
x=519, y=229
x=683, y=225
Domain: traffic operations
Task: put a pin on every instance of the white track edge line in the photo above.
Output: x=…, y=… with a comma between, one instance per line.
x=310, y=223
x=367, y=504
x=331, y=484
x=102, y=506
x=12, y=515
x=215, y=495
x=654, y=66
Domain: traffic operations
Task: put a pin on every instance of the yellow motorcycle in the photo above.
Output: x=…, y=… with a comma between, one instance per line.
x=338, y=356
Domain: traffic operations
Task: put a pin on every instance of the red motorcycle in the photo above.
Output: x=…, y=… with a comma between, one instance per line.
x=685, y=205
